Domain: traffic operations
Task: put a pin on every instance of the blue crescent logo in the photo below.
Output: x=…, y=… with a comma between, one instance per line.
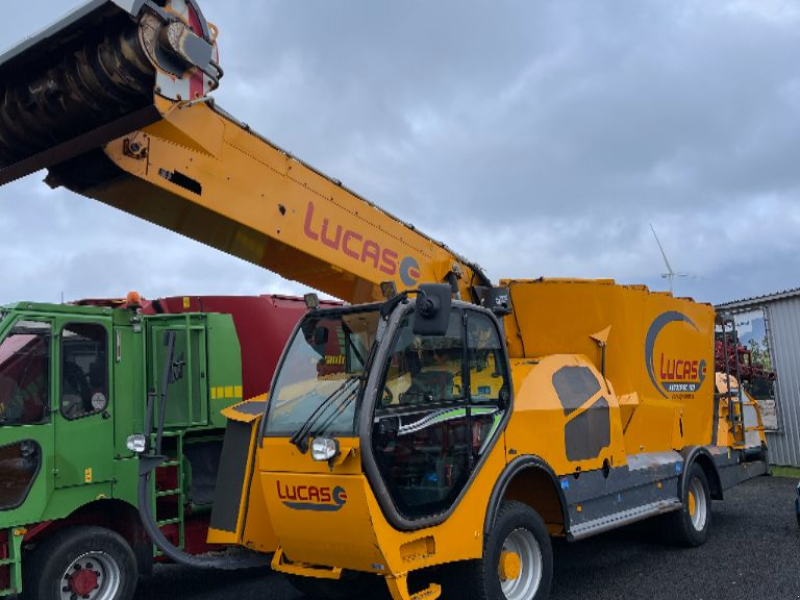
x=650, y=342
x=409, y=271
x=339, y=496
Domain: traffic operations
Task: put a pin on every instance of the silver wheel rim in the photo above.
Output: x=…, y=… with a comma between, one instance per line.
x=104, y=569
x=700, y=504
x=523, y=543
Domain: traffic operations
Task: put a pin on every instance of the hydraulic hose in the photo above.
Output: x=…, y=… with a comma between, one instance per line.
x=227, y=562
x=150, y=462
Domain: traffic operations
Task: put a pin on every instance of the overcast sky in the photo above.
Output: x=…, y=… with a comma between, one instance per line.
x=538, y=138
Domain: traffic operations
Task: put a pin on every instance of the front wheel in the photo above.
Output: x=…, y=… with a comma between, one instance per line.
x=80, y=563
x=517, y=561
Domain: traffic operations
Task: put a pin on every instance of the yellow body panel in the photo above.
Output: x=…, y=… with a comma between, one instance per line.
x=659, y=353
x=539, y=422
x=354, y=534
x=258, y=532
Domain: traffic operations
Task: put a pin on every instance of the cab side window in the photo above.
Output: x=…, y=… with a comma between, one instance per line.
x=25, y=374
x=489, y=390
x=487, y=371
x=84, y=370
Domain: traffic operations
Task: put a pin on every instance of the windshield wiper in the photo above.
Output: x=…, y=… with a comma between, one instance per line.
x=301, y=437
x=335, y=413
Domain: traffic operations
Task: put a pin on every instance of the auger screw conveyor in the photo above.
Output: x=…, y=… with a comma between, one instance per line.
x=92, y=77
x=437, y=421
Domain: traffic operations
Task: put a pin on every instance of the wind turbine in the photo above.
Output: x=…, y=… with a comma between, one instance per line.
x=670, y=275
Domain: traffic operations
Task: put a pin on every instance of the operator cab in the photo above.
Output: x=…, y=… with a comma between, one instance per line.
x=422, y=383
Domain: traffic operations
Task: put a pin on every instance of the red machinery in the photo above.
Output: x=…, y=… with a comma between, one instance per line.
x=730, y=350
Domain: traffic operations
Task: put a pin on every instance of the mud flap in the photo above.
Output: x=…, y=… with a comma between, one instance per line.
x=236, y=491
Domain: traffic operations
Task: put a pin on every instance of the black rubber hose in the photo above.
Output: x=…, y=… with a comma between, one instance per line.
x=242, y=560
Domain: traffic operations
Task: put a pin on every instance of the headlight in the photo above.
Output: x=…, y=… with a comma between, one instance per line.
x=324, y=449
x=137, y=443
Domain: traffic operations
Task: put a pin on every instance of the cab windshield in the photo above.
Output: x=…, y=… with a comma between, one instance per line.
x=322, y=375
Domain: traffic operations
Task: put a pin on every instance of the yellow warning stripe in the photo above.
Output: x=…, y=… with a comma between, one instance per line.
x=226, y=392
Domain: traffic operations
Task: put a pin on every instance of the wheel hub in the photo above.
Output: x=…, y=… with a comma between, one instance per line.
x=91, y=576
x=84, y=582
x=697, y=504
x=521, y=566
x=510, y=566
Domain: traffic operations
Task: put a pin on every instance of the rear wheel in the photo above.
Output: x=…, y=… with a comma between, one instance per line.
x=690, y=526
x=80, y=563
x=517, y=561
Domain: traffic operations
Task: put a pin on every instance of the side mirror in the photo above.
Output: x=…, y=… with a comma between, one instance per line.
x=432, y=311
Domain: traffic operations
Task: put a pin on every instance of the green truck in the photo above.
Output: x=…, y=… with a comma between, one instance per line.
x=75, y=382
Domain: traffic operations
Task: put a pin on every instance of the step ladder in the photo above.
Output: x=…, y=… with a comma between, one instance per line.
x=733, y=395
x=172, y=498
x=11, y=561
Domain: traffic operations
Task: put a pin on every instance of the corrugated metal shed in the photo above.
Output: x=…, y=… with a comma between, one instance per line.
x=757, y=301
x=782, y=314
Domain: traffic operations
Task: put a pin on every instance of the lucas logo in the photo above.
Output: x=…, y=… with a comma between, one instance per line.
x=312, y=497
x=672, y=374
x=358, y=248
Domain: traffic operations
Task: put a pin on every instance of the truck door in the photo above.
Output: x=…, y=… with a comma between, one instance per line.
x=187, y=403
x=85, y=408
x=443, y=400
x=26, y=432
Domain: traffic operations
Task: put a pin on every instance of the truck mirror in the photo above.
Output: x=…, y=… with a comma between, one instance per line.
x=432, y=314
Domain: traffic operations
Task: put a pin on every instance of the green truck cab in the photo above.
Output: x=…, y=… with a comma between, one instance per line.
x=74, y=385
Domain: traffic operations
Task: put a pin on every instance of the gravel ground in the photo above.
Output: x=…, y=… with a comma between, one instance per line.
x=753, y=554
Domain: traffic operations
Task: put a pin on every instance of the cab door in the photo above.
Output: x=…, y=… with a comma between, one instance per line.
x=85, y=409
x=26, y=429
x=443, y=400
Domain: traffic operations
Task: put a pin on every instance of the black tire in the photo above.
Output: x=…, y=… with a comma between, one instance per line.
x=689, y=526
x=797, y=509
x=92, y=549
x=351, y=585
x=480, y=579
